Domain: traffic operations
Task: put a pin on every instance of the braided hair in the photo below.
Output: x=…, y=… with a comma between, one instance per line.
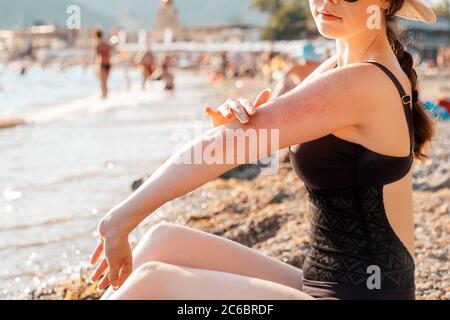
x=424, y=125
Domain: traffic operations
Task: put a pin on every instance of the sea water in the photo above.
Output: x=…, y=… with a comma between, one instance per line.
x=75, y=159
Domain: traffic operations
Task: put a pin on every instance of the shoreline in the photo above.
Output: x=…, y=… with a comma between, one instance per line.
x=8, y=123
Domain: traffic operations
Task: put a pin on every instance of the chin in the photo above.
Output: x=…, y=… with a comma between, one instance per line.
x=330, y=31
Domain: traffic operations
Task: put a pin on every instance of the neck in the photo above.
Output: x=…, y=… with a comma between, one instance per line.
x=370, y=45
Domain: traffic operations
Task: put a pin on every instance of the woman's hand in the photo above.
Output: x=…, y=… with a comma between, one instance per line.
x=237, y=108
x=117, y=260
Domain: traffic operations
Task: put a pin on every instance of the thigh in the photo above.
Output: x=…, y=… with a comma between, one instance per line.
x=181, y=245
x=104, y=73
x=157, y=280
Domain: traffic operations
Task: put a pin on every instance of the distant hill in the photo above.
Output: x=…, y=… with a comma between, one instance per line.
x=131, y=14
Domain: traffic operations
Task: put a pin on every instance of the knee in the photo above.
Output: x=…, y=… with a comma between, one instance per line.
x=151, y=268
x=155, y=280
x=158, y=273
x=162, y=231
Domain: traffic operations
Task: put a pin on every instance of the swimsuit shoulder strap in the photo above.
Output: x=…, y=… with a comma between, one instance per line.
x=406, y=99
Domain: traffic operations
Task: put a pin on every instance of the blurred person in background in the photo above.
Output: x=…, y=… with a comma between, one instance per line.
x=443, y=57
x=103, y=52
x=164, y=72
x=267, y=58
x=302, y=64
x=147, y=63
x=225, y=63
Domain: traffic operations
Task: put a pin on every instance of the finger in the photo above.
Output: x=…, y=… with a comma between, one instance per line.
x=262, y=97
x=239, y=111
x=227, y=108
x=99, y=270
x=125, y=272
x=216, y=117
x=113, y=275
x=104, y=283
x=96, y=254
x=211, y=111
x=225, y=111
x=249, y=108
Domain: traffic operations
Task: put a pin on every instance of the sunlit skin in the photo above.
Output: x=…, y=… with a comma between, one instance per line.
x=103, y=55
x=355, y=101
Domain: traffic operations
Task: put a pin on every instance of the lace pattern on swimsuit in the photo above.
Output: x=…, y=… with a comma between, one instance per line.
x=350, y=232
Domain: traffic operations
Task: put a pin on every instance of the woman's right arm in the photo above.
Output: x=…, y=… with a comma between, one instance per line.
x=177, y=176
x=313, y=109
x=327, y=103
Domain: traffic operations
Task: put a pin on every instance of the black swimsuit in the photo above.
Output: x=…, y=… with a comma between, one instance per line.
x=105, y=66
x=351, y=237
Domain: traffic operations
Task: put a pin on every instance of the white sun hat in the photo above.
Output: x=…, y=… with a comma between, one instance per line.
x=417, y=10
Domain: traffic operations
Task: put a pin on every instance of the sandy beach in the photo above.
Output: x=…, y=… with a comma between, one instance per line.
x=270, y=214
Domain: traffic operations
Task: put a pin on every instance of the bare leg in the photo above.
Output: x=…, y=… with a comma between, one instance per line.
x=104, y=82
x=144, y=80
x=157, y=280
x=180, y=245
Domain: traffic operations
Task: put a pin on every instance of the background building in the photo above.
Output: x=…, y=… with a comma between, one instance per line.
x=427, y=39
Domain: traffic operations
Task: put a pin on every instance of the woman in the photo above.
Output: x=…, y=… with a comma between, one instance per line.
x=303, y=64
x=103, y=59
x=353, y=129
x=167, y=74
x=147, y=62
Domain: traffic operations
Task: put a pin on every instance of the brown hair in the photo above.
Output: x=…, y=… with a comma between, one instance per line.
x=99, y=34
x=424, y=125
